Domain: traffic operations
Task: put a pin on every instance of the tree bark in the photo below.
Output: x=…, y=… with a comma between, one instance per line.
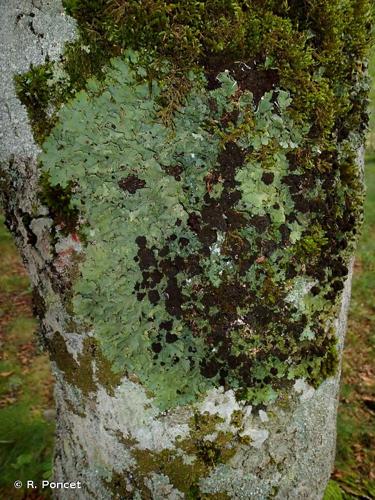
x=111, y=435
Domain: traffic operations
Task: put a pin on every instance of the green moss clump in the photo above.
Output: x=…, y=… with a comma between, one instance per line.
x=205, y=450
x=310, y=46
x=316, y=51
x=57, y=199
x=35, y=93
x=80, y=373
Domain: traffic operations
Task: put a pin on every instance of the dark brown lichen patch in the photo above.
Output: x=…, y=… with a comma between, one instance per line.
x=248, y=76
x=131, y=184
x=80, y=376
x=175, y=170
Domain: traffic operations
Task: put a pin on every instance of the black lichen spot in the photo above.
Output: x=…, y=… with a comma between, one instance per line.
x=146, y=255
x=155, y=278
x=171, y=337
x=174, y=298
x=260, y=222
x=175, y=171
x=153, y=296
x=209, y=368
x=131, y=183
x=230, y=158
x=285, y=233
x=31, y=236
x=212, y=215
x=194, y=222
x=156, y=347
x=268, y=177
x=183, y=242
x=166, y=325
x=245, y=73
x=268, y=247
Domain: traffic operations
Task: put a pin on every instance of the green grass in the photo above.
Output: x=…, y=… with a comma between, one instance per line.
x=26, y=442
x=26, y=437
x=11, y=280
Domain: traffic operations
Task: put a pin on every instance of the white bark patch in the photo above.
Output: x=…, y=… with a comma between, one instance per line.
x=224, y=404
x=41, y=228
x=263, y=416
x=301, y=387
x=66, y=248
x=257, y=436
x=161, y=488
x=132, y=413
x=286, y=438
x=301, y=288
x=28, y=34
x=74, y=344
x=218, y=402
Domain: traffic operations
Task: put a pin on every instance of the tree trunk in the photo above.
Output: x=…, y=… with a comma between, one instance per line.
x=225, y=424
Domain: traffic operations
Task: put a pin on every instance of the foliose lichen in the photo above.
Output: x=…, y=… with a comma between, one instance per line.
x=213, y=161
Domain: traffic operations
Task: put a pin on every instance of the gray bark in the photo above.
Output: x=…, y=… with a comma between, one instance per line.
x=292, y=447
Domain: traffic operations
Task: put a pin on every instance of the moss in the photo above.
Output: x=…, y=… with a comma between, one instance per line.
x=209, y=452
x=39, y=311
x=35, y=93
x=80, y=373
x=104, y=373
x=57, y=199
x=237, y=419
x=204, y=451
x=181, y=475
x=121, y=487
x=289, y=39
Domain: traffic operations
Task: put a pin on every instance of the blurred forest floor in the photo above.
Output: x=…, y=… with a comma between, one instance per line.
x=26, y=435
